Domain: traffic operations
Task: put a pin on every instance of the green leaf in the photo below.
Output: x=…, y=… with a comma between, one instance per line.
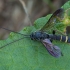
x=27, y=54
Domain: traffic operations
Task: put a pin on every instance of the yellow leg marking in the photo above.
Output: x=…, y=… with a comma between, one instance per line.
x=61, y=38
x=66, y=38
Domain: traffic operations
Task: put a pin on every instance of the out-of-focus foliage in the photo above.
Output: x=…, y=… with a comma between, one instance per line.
x=13, y=16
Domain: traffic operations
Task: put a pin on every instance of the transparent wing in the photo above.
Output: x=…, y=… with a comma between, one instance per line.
x=67, y=16
x=57, y=15
x=52, y=49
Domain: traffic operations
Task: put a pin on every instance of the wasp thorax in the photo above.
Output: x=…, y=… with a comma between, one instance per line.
x=38, y=35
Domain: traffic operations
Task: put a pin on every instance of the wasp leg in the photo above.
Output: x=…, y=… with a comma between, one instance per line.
x=53, y=32
x=67, y=30
x=51, y=39
x=62, y=54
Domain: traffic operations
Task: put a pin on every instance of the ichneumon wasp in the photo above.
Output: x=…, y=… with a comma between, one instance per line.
x=47, y=38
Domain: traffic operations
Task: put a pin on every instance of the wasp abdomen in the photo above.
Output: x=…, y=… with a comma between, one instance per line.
x=60, y=38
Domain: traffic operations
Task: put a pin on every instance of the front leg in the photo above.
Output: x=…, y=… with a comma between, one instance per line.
x=53, y=32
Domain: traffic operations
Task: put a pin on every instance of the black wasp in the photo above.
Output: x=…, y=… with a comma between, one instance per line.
x=46, y=38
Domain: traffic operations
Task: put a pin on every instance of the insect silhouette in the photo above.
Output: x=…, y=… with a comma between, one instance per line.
x=46, y=38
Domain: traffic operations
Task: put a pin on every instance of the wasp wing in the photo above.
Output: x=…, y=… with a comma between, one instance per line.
x=52, y=49
x=58, y=14
x=67, y=13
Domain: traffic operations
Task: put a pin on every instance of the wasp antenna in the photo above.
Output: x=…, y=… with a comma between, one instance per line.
x=10, y=43
x=24, y=6
x=13, y=31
